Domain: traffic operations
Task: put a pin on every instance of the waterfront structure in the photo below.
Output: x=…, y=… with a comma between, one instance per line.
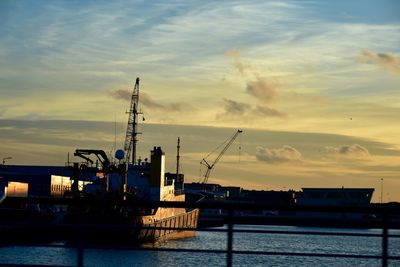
x=338, y=197
x=335, y=196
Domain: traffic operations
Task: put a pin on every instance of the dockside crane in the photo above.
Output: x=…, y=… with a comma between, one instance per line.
x=131, y=129
x=212, y=165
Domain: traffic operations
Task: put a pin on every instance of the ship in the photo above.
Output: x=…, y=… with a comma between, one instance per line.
x=105, y=195
x=336, y=197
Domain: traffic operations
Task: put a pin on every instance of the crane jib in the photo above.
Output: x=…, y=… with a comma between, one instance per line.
x=211, y=166
x=131, y=129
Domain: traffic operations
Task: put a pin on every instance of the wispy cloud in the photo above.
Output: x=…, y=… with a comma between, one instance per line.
x=245, y=111
x=237, y=62
x=387, y=61
x=121, y=94
x=268, y=112
x=147, y=101
x=150, y=103
x=263, y=89
x=278, y=155
x=234, y=107
x=3, y=111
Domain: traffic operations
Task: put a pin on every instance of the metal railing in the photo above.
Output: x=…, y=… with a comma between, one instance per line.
x=379, y=217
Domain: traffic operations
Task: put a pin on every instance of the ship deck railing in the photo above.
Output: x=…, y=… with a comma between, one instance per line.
x=383, y=217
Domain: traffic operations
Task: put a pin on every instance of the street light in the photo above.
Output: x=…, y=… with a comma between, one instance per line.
x=4, y=159
x=381, y=190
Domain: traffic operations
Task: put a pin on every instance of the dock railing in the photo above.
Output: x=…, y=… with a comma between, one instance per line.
x=381, y=217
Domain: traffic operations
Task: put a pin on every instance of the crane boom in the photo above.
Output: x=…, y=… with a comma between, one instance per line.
x=211, y=166
x=131, y=129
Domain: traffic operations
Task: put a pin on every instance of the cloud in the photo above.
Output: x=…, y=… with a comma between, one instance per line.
x=262, y=89
x=351, y=151
x=235, y=108
x=387, y=61
x=121, y=94
x=354, y=151
x=278, y=155
x=268, y=112
x=147, y=101
x=3, y=111
x=237, y=63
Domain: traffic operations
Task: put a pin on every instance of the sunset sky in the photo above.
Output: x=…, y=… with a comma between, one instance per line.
x=315, y=85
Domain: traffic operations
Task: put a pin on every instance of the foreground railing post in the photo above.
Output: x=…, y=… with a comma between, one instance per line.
x=230, y=238
x=80, y=240
x=80, y=255
x=385, y=239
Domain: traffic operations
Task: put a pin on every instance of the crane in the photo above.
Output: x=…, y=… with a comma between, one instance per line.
x=131, y=129
x=100, y=154
x=211, y=166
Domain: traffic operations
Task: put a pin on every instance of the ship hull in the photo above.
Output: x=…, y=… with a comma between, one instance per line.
x=178, y=226
x=133, y=233
x=23, y=225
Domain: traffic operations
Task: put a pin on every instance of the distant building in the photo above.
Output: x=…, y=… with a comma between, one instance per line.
x=346, y=197
x=200, y=187
x=268, y=197
x=231, y=191
x=41, y=180
x=334, y=196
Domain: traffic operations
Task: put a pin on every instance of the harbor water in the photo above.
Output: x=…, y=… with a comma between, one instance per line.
x=218, y=241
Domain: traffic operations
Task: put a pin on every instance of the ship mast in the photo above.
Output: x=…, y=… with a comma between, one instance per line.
x=131, y=129
x=177, y=158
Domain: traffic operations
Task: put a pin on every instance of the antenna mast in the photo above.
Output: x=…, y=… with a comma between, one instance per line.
x=177, y=158
x=131, y=129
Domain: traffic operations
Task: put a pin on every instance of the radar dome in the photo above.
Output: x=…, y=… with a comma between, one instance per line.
x=120, y=154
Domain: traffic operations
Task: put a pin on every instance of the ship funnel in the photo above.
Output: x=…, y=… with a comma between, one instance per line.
x=157, y=173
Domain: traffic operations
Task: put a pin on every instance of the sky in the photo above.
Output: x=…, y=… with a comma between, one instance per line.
x=313, y=84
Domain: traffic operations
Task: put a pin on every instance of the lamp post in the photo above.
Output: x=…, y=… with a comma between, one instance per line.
x=4, y=159
x=381, y=190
